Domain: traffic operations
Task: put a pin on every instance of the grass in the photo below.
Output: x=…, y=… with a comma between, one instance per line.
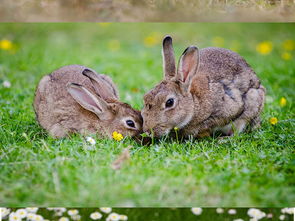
x=252, y=169
x=169, y=214
x=148, y=10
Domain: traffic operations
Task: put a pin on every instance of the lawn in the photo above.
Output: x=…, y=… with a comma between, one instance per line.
x=252, y=169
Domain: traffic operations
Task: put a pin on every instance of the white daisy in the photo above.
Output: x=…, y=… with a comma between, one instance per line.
x=76, y=217
x=63, y=219
x=105, y=209
x=256, y=213
x=282, y=217
x=114, y=217
x=22, y=213
x=73, y=212
x=6, y=84
x=32, y=209
x=39, y=218
x=197, y=210
x=238, y=220
x=95, y=216
x=14, y=217
x=123, y=217
x=219, y=210
x=232, y=211
x=31, y=216
x=90, y=140
x=4, y=212
x=288, y=210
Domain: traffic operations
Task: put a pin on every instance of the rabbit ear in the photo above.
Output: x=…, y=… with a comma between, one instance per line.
x=102, y=86
x=87, y=100
x=169, y=67
x=188, y=64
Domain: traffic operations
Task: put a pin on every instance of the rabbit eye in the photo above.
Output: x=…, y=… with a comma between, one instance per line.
x=130, y=123
x=169, y=102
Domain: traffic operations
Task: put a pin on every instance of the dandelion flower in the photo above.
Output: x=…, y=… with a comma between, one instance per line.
x=6, y=45
x=117, y=136
x=114, y=217
x=197, y=210
x=114, y=45
x=95, y=216
x=104, y=24
x=123, y=217
x=283, y=102
x=286, y=56
x=63, y=219
x=282, y=217
x=264, y=47
x=14, y=217
x=152, y=39
x=32, y=209
x=273, y=120
x=232, y=211
x=105, y=209
x=220, y=210
x=73, y=212
x=289, y=45
x=90, y=140
x=218, y=41
x=22, y=213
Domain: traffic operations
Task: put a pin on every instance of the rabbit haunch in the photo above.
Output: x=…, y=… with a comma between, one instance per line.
x=212, y=89
x=75, y=99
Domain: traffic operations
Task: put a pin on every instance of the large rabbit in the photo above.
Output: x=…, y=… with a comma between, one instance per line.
x=212, y=89
x=76, y=99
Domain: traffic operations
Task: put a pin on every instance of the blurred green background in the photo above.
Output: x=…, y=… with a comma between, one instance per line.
x=252, y=169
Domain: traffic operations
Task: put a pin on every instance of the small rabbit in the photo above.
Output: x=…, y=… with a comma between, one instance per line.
x=212, y=89
x=76, y=99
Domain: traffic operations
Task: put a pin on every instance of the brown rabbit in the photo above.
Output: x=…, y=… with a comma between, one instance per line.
x=212, y=89
x=76, y=99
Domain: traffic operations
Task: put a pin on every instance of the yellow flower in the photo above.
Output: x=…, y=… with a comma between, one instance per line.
x=117, y=136
x=114, y=45
x=104, y=24
x=283, y=102
x=218, y=41
x=264, y=47
x=176, y=128
x=286, y=56
x=289, y=45
x=6, y=45
x=273, y=120
x=152, y=40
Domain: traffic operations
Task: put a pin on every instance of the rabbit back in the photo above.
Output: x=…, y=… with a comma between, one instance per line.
x=56, y=110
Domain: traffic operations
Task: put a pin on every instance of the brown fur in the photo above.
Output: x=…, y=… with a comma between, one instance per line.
x=224, y=93
x=60, y=114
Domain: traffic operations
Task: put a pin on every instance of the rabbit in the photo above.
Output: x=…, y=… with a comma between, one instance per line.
x=75, y=99
x=213, y=89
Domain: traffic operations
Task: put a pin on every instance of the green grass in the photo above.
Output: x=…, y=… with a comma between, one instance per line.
x=253, y=169
x=168, y=214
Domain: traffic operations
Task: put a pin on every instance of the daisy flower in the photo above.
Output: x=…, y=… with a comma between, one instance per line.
x=95, y=216
x=106, y=209
x=73, y=212
x=114, y=217
x=90, y=140
x=232, y=211
x=196, y=210
x=22, y=213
